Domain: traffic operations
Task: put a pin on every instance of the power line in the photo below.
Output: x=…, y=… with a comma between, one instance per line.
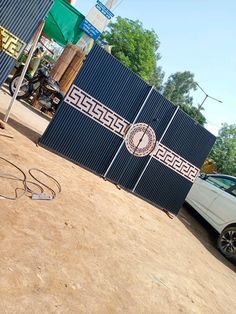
x=206, y=96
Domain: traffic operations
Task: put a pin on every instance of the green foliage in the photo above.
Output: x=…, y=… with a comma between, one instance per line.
x=178, y=88
x=157, y=78
x=224, y=150
x=135, y=47
x=194, y=113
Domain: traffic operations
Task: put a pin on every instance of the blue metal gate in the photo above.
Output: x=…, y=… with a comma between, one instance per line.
x=118, y=126
x=18, y=22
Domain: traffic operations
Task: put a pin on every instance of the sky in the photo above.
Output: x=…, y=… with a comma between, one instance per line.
x=197, y=36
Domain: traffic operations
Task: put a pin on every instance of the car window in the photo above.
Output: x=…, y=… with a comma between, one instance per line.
x=220, y=182
x=233, y=192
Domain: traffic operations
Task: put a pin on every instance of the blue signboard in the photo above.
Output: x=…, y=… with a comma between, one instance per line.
x=89, y=29
x=104, y=10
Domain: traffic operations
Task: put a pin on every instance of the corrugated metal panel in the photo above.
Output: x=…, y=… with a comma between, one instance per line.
x=69, y=135
x=120, y=89
x=189, y=139
x=159, y=183
x=157, y=114
x=6, y=64
x=157, y=157
x=22, y=19
x=113, y=84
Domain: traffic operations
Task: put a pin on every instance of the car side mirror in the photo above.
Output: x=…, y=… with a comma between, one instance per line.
x=203, y=176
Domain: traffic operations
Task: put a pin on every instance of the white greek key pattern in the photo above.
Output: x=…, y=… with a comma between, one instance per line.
x=175, y=162
x=92, y=108
x=10, y=44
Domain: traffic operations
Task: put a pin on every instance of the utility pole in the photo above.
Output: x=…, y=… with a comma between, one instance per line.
x=85, y=43
x=110, y=4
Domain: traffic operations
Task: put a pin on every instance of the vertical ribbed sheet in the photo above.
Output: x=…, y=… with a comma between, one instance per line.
x=21, y=18
x=82, y=132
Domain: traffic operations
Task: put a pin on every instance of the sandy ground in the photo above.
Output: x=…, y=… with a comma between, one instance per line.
x=23, y=112
x=95, y=249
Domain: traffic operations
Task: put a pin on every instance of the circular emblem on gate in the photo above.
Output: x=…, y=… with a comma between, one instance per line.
x=140, y=140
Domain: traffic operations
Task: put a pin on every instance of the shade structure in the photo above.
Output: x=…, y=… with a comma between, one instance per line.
x=62, y=23
x=18, y=22
x=116, y=125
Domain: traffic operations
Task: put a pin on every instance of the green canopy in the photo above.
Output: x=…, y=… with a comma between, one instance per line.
x=62, y=23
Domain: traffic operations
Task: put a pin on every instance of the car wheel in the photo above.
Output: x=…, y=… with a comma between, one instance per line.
x=227, y=242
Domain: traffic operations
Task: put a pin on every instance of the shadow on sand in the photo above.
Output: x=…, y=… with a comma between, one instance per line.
x=204, y=232
x=5, y=90
x=26, y=131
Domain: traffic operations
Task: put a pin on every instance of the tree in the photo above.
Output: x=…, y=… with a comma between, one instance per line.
x=177, y=89
x=194, y=112
x=224, y=150
x=135, y=47
x=157, y=79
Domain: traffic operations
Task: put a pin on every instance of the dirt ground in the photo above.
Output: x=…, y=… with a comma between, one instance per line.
x=23, y=113
x=96, y=249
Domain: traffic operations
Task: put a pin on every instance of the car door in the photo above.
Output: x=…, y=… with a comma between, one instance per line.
x=222, y=210
x=202, y=194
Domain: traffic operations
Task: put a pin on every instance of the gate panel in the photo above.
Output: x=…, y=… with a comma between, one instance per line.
x=175, y=163
x=188, y=139
x=79, y=138
x=161, y=185
x=116, y=125
x=89, y=130
x=18, y=22
x=129, y=164
x=112, y=84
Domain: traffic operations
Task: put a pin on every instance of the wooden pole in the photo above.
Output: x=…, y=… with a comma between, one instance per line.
x=71, y=72
x=63, y=62
x=72, y=57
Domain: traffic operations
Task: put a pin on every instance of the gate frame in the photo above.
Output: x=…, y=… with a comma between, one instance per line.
x=135, y=119
x=158, y=143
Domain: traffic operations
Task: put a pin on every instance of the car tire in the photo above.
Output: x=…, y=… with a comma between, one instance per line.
x=227, y=242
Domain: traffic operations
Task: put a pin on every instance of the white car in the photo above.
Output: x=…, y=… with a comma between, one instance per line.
x=214, y=198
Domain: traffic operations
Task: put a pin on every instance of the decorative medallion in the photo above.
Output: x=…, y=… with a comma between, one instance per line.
x=10, y=44
x=140, y=140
